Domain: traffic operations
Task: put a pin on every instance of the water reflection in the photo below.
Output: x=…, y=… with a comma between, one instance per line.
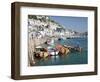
x=66, y=59
x=71, y=58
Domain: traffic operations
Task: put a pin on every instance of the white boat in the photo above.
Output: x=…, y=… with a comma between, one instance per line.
x=52, y=52
x=50, y=42
x=38, y=47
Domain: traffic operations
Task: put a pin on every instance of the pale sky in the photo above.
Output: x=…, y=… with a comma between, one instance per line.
x=79, y=24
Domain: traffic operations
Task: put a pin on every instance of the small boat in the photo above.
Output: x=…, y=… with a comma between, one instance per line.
x=60, y=39
x=64, y=38
x=45, y=54
x=50, y=42
x=53, y=53
x=41, y=54
x=68, y=38
x=63, y=51
x=38, y=48
x=36, y=55
x=74, y=49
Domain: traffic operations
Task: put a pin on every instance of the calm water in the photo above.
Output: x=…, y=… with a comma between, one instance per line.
x=71, y=58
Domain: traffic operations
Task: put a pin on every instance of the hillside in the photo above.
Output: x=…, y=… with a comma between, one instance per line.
x=41, y=26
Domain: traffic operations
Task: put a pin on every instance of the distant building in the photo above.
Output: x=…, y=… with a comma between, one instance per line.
x=41, y=26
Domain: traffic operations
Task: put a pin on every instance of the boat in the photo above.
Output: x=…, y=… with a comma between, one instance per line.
x=73, y=48
x=50, y=42
x=60, y=39
x=64, y=38
x=68, y=38
x=63, y=51
x=40, y=52
x=52, y=51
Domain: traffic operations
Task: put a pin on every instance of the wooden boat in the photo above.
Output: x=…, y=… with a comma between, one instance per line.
x=68, y=38
x=76, y=49
x=52, y=51
x=60, y=39
x=63, y=51
x=73, y=49
x=40, y=52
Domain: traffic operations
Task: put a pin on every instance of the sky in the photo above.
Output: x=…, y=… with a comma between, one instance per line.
x=79, y=24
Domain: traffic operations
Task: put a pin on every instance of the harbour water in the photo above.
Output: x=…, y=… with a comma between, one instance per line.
x=70, y=58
